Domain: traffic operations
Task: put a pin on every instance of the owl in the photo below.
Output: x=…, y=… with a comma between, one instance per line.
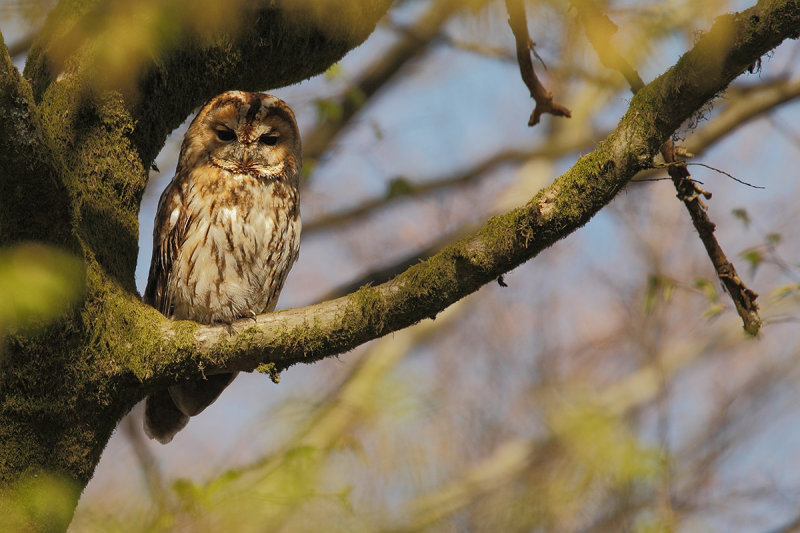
x=226, y=233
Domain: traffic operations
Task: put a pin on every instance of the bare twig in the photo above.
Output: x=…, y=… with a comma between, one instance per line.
x=743, y=298
x=542, y=97
x=745, y=104
x=715, y=169
x=599, y=30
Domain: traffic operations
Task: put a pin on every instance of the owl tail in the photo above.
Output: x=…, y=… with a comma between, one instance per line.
x=162, y=418
x=168, y=411
x=192, y=397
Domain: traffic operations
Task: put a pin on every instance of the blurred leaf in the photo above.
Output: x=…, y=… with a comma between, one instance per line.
x=308, y=168
x=785, y=290
x=708, y=288
x=334, y=72
x=754, y=257
x=38, y=499
x=122, y=37
x=713, y=311
x=742, y=215
x=328, y=109
x=356, y=96
x=602, y=443
x=774, y=238
x=669, y=289
x=657, y=284
x=37, y=284
x=650, y=293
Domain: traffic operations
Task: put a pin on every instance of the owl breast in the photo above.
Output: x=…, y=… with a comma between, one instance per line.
x=238, y=248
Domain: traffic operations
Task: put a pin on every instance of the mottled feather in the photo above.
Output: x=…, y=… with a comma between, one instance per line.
x=226, y=233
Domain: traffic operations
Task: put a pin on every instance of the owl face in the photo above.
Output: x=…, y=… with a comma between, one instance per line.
x=244, y=133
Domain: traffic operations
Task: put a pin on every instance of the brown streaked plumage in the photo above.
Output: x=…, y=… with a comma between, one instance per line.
x=227, y=231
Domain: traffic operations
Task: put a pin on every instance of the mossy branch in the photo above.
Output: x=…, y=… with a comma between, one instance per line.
x=599, y=28
x=308, y=334
x=275, y=44
x=33, y=200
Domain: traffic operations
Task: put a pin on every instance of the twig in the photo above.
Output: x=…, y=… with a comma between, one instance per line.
x=599, y=30
x=743, y=298
x=542, y=97
x=731, y=176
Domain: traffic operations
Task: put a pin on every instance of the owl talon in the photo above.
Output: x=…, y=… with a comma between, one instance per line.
x=253, y=316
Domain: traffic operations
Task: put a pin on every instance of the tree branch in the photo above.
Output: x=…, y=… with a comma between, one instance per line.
x=739, y=109
x=273, y=47
x=542, y=97
x=33, y=200
x=275, y=341
x=743, y=108
x=599, y=28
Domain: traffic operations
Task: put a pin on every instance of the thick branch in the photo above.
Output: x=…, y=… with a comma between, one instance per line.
x=33, y=200
x=312, y=333
x=268, y=47
x=739, y=110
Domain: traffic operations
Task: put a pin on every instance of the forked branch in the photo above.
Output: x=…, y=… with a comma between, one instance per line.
x=599, y=30
x=543, y=98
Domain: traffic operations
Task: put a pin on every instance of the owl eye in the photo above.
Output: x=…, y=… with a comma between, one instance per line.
x=270, y=139
x=225, y=135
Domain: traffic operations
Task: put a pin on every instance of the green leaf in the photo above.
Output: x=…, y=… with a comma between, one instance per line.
x=785, y=290
x=713, y=311
x=742, y=215
x=38, y=499
x=708, y=288
x=754, y=257
x=328, y=110
x=37, y=283
x=334, y=72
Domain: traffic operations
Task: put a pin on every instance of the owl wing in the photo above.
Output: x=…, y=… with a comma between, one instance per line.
x=169, y=232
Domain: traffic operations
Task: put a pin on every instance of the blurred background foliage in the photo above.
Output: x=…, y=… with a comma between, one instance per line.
x=38, y=284
x=609, y=387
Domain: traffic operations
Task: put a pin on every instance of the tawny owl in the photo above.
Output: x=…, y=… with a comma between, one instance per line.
x=227, y=231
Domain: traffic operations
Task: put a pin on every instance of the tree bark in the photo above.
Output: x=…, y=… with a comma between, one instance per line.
x=77, y=165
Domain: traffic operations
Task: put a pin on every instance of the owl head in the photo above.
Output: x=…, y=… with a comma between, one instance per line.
x=244, y=133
